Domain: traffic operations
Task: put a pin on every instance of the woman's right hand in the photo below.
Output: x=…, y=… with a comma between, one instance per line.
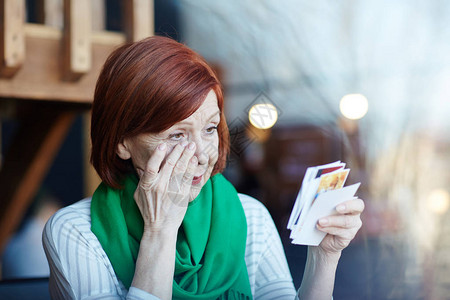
x=162, y=194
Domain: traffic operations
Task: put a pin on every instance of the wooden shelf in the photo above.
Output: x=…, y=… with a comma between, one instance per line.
x=41, y=75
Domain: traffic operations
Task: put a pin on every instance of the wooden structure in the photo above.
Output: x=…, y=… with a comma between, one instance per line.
x=47, y=77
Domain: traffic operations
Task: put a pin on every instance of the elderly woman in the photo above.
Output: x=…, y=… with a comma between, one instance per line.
x=164, y=223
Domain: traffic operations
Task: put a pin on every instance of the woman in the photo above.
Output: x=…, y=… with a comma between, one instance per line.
x=165, y=223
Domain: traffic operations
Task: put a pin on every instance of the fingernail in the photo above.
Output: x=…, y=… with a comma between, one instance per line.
x=162, y=147
x=340, y=208
x=194, y=159
x=323, y=222
x=184, y=143
x=191, y=145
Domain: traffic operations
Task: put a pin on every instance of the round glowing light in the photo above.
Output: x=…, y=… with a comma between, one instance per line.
x=438, y=201
x=354, y=106
x=263, y=116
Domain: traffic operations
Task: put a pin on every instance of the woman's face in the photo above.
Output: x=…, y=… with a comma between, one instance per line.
x=200, y=128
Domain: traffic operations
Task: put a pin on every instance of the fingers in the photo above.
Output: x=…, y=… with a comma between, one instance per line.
x=343, y=228
x=169, y=164
x=189, y=174
x=182, y=176
x=150, y=174
x=184, y=162
x=186, y=182
x=354, y=206
x=340, y=233
x=348, y=217
x=177, y=161
x=341, y=221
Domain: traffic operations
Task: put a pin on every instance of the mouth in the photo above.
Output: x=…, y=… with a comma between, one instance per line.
x=197, y=179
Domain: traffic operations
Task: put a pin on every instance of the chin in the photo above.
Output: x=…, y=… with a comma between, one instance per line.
x=193, y=194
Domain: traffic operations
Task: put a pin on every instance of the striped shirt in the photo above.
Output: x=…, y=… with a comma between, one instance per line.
x=80, y=268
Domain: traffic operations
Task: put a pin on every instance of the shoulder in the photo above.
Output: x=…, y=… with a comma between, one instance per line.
x=254, y=210
x=69, y=221
x=79, y=265
x=260, y=225
x=77, y=213
x=264, y=255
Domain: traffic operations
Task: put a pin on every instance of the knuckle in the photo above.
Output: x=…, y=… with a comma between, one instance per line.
x=150, y=172
x=145, y=186
x=358, y=223
x=363, y=205
x=179, y=168
x=170, y=162
x=335, y=231
x=348, y=221
x=193, y=162
x=186, y=178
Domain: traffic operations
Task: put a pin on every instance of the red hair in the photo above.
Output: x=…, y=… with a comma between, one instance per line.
x=147, y=87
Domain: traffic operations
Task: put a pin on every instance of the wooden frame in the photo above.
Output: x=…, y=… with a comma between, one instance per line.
x=49, y=74
x=77, y=39
x=12, y=50
x=40, y=77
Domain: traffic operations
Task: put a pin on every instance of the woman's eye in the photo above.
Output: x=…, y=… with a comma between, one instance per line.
x=211, y=129
x=176, y=136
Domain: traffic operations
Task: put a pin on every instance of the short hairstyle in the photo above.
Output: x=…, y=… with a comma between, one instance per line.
x=146, y=87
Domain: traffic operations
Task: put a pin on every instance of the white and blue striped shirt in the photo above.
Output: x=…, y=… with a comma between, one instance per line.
x=80, y=268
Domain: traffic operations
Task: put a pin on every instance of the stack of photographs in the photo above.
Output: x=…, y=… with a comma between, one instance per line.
x=321, y=191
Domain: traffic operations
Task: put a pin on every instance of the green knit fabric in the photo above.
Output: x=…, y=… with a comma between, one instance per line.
x=209, y=262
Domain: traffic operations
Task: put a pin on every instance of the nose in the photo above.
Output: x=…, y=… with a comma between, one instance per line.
x=201, y=150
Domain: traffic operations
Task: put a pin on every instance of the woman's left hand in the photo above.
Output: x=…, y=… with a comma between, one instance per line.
x=341, y=228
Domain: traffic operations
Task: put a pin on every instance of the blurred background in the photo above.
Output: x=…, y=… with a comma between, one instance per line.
x=306, y=83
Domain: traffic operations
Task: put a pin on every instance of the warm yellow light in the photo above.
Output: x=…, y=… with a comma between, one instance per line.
x=438, y=201
x=263, y=116
x=354, y=106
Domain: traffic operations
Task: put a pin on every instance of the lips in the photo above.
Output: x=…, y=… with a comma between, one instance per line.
x=197, y=179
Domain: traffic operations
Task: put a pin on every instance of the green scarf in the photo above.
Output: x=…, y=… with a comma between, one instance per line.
x=209, y=262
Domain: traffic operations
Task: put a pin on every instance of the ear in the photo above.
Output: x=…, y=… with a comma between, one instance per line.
x=123, y=150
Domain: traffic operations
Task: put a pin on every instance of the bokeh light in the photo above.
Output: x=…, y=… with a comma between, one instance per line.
x=263, y=116
x=438, y=201
x=354, y=106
